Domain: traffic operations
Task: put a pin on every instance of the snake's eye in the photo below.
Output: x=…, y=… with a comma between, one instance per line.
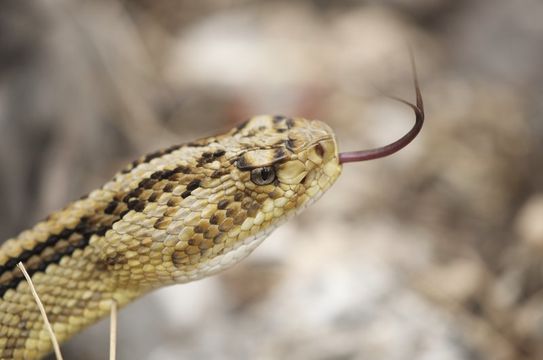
x=263, y=175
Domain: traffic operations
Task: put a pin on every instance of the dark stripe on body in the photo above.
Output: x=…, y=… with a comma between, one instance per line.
x=156, y=154
x=103, y=220
x=147, y=158
x=96, y=224
x=84, y=230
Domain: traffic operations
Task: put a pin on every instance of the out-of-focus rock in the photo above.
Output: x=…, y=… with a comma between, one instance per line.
x=529, y=223
x=457, y=281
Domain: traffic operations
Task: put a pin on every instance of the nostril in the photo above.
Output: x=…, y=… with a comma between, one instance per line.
x=319, y=149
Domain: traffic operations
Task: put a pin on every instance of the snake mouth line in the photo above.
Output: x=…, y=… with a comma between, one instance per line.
x=418, y=109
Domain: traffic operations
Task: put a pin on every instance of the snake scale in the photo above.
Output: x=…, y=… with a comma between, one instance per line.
x=173, y=216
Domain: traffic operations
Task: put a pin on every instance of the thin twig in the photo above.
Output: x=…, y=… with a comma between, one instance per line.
x=113, y=330
x=58, y=355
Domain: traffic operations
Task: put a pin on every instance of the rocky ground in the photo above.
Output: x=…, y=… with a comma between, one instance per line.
x=435, y=253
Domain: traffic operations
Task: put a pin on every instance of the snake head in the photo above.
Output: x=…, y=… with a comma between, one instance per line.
x=295, y=156
x=273, y=167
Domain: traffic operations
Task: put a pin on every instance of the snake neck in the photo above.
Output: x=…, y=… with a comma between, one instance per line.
x=64, y=256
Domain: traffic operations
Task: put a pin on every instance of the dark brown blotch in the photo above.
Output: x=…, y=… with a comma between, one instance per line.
x=110, y=208
x=136, y=205
x=219, y=153
x=162, y=223
x=65, y=233
x=174, y=202
x=156, y=154
x=134, y=193
x=242, y=164
x=101, y=231
x=222, y=204
x=152, y=156
x=147, y=183
x=172, y=148
x=37, y=249
x=218, y=173
x=193, y=185
x=157, y=175
x=205, y=158
x=214, y=219
x=166, y=174
x=182, y=169
x=180, y=258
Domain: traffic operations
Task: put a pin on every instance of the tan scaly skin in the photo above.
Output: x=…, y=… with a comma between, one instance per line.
x=171, y=217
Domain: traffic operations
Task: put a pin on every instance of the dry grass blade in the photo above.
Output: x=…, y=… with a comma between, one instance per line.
x=113, y=331
x=56, y=347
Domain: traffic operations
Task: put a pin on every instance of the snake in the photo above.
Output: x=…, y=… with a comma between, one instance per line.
x=173, y=216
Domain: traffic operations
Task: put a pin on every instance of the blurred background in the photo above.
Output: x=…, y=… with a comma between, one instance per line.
x=434, y=253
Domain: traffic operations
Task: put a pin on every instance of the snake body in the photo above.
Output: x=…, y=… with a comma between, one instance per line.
x=173, y=216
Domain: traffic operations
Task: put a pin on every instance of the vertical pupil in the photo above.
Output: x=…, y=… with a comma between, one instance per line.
x=263, y=175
